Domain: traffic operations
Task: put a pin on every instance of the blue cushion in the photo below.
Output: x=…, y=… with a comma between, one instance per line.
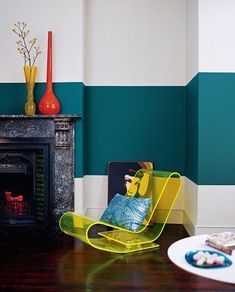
x=126, y=212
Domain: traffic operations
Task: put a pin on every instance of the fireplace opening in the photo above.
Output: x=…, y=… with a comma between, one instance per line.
x=16, y=188
x=25, y=183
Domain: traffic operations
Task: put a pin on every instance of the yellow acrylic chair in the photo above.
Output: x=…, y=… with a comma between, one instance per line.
x=160, y=186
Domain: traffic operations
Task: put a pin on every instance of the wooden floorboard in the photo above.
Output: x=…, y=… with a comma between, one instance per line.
x=52, y=261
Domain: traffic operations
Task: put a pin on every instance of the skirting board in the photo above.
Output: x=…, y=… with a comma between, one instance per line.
x=176, y=216
x=198, y=230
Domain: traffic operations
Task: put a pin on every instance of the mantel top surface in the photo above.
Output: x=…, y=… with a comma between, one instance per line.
x=54, y=117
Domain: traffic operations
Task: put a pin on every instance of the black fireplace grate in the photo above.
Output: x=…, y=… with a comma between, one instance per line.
x=15, y=208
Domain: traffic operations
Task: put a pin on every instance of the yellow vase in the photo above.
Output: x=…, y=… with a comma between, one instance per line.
x=30, y=77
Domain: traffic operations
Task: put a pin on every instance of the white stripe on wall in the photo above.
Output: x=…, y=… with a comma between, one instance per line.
x=202, y=209
x=91, y=192
x=122, y=42
x=113, y=42
x=208, y=208
x=216, y=207
x=190, y=206
x=91, y=198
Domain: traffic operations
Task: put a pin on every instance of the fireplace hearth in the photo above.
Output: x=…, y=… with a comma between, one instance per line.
x=36, y=169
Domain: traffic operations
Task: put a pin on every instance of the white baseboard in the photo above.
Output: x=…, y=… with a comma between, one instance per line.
x=212, y=229
x=198, y=230
x=176, y=216
x=188, y=225
x=94, y=213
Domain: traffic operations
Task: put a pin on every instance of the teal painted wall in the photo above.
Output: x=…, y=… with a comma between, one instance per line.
x=191, y=126
x=216, y=140
x=210, y=137
x=134, y=123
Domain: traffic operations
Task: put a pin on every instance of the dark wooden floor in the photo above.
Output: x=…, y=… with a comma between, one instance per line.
x=57, y=262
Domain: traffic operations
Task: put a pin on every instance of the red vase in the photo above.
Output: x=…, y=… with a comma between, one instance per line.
x=49, y=104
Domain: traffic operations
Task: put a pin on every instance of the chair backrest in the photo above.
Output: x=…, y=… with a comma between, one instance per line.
x=162, y=187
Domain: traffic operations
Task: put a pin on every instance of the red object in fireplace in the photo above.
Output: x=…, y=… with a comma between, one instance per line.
x=8, y=196
x=14, y=204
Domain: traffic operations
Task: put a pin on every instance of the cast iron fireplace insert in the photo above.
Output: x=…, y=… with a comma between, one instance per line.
x=26, y=179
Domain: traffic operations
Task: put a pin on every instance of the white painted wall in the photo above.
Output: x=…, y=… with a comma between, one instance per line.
x=63, y=17
x=192, y=34
x=135, y=42
x=210, y=42
x=216, y=36
x=126, y=42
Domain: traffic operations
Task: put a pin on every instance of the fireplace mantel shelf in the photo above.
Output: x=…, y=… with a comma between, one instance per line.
x=55, y=117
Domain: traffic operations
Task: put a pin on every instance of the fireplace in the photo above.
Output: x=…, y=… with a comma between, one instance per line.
x=36, y=169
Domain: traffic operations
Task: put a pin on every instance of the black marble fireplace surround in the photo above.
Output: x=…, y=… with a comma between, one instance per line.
x=36, y=169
